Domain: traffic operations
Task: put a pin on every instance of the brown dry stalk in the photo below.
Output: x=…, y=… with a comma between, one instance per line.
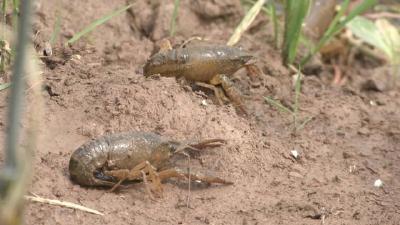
x=62, y=204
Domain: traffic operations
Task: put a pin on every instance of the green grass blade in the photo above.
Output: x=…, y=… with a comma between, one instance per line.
x=278, y=105
x=245, y=23
x=296, y=98
x=333, y=26
x=4, y=15
x=16, y=5
x=4, y=86
x=15, y=13
x=3, y=10
x=328, y=33
x=367, y=31
x=56, y=30
x=172, y=28
x=301, y=126
x=338, y=23
x=295, y=12
x=274, y=19
x=297, y=93
x=361, y=8
x=97, y=23
x=264, y=8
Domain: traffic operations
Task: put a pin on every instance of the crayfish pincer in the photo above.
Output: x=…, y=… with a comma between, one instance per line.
x=135, y=156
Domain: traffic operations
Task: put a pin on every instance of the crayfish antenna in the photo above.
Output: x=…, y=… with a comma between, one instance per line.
x=216, y=142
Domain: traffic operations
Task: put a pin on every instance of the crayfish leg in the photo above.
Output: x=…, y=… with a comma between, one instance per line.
x=137, y=173
x=217, y=92
x=254, y=72
x=208, y=143
x=233, y=93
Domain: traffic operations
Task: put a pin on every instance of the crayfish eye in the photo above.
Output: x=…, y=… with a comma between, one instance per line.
x=172, y=147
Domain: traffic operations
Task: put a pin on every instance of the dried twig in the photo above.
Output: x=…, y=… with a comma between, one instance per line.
x=63, y=204
x=246, y=22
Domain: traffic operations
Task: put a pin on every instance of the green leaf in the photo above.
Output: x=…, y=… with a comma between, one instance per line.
x=391, y=37
x=295, y=12
x=4, y=86
x=278, y=105
x=381, y=35
x=338, y=23
x=368, y=32
x=301, y=126
x=97, y=23
x=361, y=8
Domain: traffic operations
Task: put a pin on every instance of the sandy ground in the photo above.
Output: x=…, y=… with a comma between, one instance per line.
x=352, y=140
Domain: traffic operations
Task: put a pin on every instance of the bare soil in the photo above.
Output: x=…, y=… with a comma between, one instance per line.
x=352, y=140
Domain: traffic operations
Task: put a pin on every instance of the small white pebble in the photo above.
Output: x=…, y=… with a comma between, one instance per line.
x=294, y=153
x=47, y=50
x=78, y=57
x=352, y=168
x=378, y=183
x=373, y=103
x=204, y=102
x=294, y=79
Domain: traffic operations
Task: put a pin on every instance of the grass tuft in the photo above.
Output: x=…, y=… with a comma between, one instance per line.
x=97, y=23
x=294, y=112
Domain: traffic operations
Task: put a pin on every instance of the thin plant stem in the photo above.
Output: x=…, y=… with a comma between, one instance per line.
x=56, y=30
x=3, y=56
x=17, y=164
x=4, y=15
x=17, y=100
x=296, y=100
x=275, y=23
x=97, y=23
x=338, y=24
x=172, y=29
